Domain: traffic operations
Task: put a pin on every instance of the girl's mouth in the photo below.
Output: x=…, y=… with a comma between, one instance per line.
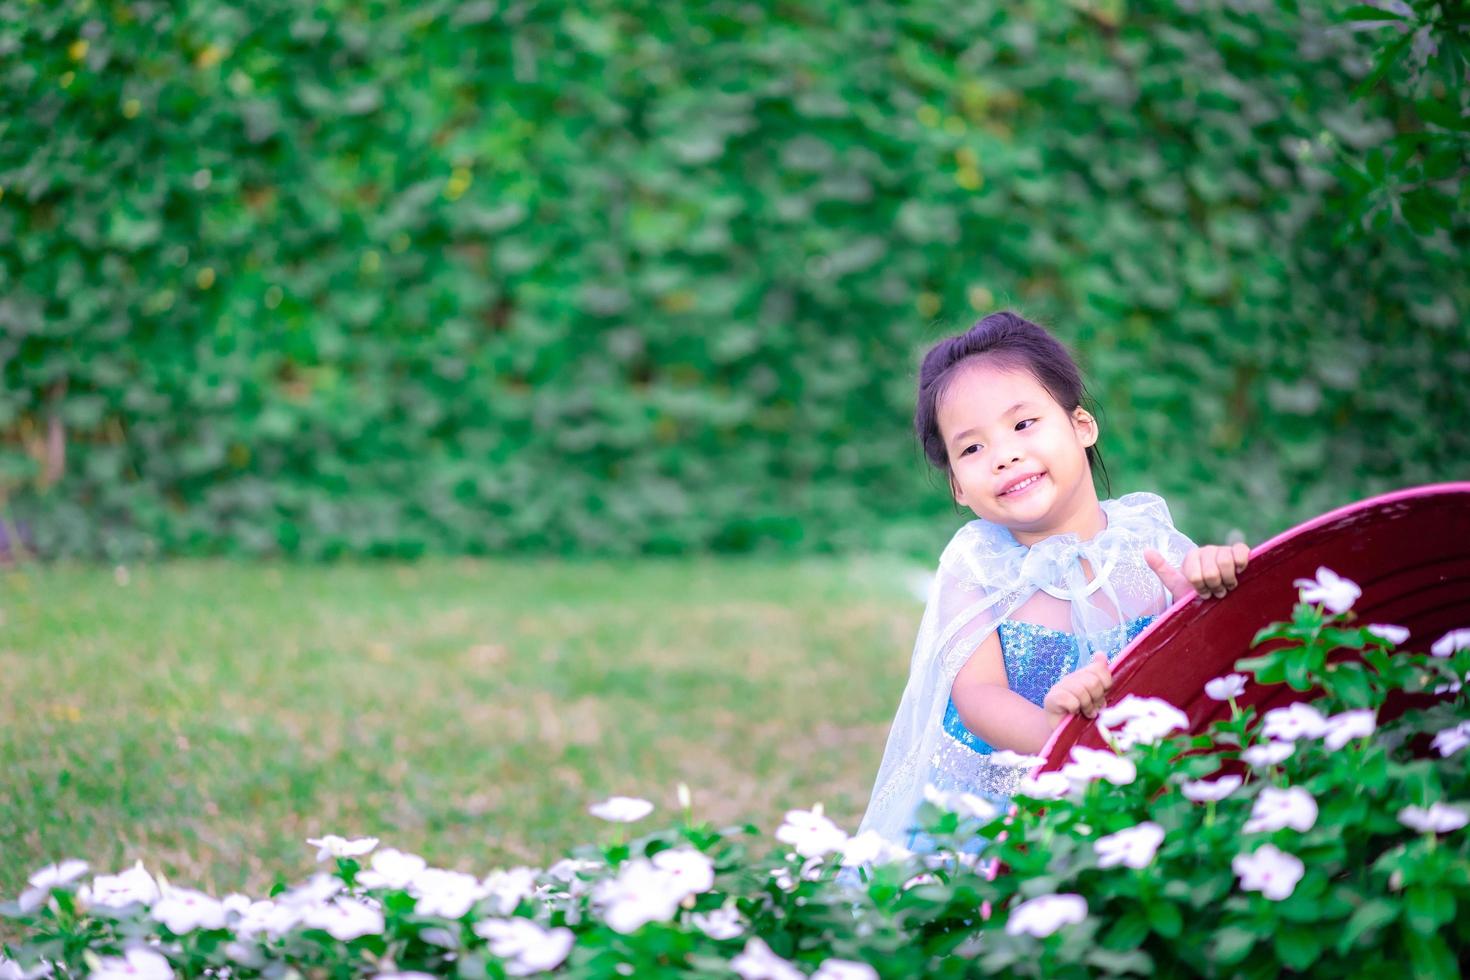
x=1023, y=487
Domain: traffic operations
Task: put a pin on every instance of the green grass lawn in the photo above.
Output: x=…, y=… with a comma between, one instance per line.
x=208, y=717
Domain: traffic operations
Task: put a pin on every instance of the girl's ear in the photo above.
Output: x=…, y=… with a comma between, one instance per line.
x=1086, y=426
x=954, y=488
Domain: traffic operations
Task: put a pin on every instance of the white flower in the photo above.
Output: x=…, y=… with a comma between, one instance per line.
x=440, y=936
x=568, y=869
x=1090, y=764
x=1450, y=643
x=332, y=846
x=268, y=917
x=1296, y=720
x=810, y=833
x=446, y=894
x=757, y=962
x=47, y=878
x=403, y=975
x=345, y=919
x=392, y=869
x=1276, y=808
x=925, y=878
x=810, y=870
x=621, y=809
x=690, y=872
x=137, y=963
x=1267, y=754
x=506, y=889
x=1343, y=728
x=640, y=893
x=835, y=969
x=721, y=923
x=686, y=798
x=1134, y=846
x=1270, y=871
x=525, y=947
x=1040, y=917
x=1439, y=818
x=1005, y=757
x=1207, y=792
x=1386, y=631
x=183, y=911
x=1330, y=589
x=11, y=970
x=1227, y=687
x=124, y=888
x=1448, y=741
x=312, y=892
x=871, y=847
x=1141, y=721
x=1044, y=786
x=967, y=805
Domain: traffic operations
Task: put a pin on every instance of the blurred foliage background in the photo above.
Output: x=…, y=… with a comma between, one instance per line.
x=376, y=278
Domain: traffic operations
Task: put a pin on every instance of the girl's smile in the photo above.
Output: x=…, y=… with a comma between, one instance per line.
x=1016, y=456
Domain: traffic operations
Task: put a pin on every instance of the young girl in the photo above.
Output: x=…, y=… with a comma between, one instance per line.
x=1035, y=598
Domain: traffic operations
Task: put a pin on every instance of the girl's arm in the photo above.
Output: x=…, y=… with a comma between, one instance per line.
x=991, y=710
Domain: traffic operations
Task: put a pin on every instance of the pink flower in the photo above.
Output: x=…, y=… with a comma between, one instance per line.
x=1134, y=846
x=1267, y=754
x=1343, y=728
x=1330, y=589
x=1297, y=720
x=1439, y=818
x=1227, y=687
x=1040, y=917
x=1276, y=808
x=1386, y=631
x=1270, y=871
x=810, y=833
x=1044, y=786
x=1448, y=741
x=1205, y=792
x=1141, y=721
x=1451, y=643
x=1090, y=764
x=758, y=962
x=621, y=809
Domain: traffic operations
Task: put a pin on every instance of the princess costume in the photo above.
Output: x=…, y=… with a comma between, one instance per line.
x=1051, y=613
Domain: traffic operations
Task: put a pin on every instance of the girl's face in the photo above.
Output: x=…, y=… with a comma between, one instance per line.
x=1016, y=457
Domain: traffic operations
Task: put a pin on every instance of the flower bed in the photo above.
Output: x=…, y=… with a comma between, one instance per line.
x=1317, y=837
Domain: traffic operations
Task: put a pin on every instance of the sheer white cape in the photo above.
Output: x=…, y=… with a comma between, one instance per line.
x=985, y=576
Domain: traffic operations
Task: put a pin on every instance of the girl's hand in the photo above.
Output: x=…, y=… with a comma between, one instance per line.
x=1083, y=692
x=1209, y=571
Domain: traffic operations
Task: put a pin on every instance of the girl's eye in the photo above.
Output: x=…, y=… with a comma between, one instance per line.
x=970, y=449
x=1026, y=424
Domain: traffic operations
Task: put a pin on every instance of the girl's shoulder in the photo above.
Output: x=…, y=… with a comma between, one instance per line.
x=1141, y=504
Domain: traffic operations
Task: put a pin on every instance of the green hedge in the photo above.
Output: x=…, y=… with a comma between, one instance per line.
x=380, y=278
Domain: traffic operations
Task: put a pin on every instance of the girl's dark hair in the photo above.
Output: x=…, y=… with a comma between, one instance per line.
x=1010, y=341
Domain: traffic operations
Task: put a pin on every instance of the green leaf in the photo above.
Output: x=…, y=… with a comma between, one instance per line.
x=1299, y=945
x=1365, y=12
x=1164, y=918
x=1430, y=956
x=1298, y=671
x=1367, y=919
x=1426, y=908
x=1233, y=943
x=1127, y=932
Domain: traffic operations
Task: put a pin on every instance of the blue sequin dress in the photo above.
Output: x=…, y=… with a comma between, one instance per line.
x=1036, y=657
